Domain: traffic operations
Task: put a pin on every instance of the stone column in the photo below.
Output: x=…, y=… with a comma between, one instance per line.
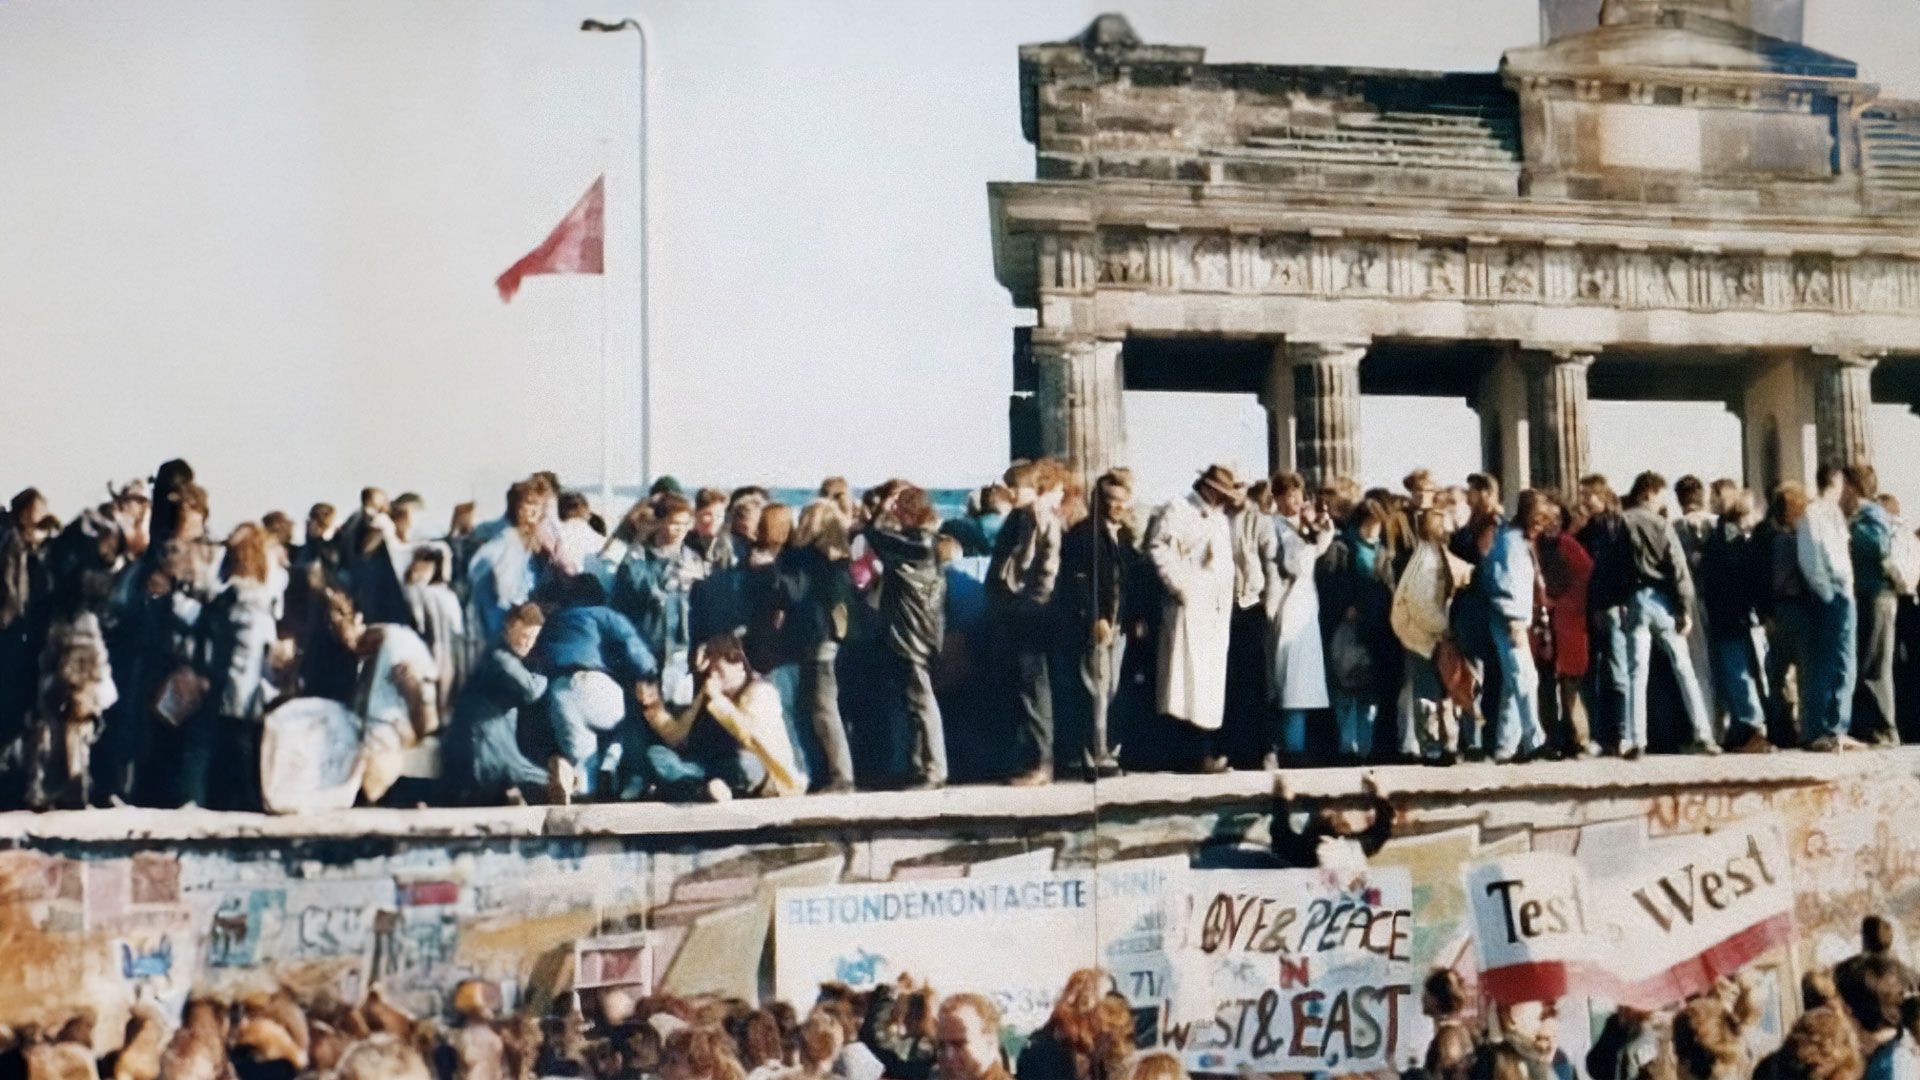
x=1505, y=431
x=1842, y=400
x=1082, y=415
x=1559, y=447
x=1326, y=408
x=1276, y=397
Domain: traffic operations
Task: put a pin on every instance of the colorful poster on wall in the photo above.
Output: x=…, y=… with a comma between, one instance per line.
x=1531, y=926
x=1294, y=971
x=1013, y=937
x=1693, y=910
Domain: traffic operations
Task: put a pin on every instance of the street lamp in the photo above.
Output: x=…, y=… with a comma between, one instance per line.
x=595, y=26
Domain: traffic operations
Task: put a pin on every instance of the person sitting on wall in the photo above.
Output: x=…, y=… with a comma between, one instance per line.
x=593, y=654
x=484, y=762
x=731, y=741
x=1310, y=832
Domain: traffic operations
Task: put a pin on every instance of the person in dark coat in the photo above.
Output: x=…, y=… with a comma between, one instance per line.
x=1609, y=587
x=485, y=763
x=818, y=595
x=1732, y=576
x=1100, y=563
x=912, y=619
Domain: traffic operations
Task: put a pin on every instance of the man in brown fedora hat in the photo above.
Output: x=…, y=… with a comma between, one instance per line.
x=1190, y=544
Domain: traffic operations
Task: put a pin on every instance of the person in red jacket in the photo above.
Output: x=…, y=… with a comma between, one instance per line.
x=1566, y=569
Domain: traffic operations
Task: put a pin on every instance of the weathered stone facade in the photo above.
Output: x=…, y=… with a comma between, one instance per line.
x=1672, y=203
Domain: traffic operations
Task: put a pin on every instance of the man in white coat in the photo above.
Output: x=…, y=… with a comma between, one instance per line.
x=1190, y=543
x=1299, y=677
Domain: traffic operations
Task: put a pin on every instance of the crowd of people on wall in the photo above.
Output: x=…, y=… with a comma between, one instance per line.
x=1859, y=1020
x=722, y=644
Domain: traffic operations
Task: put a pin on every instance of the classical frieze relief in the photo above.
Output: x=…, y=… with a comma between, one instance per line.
x=1340, y=265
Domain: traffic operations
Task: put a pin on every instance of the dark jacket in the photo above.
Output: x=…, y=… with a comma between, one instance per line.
x=1098, y=568
x=1777, y=560
x=1731, y=579
x=1658, y=561
x=718, y=600
x=594, y=639
x=1605, y=538
x=485, y=756
x=819, y=597
x=652, y=589
x=912, y=592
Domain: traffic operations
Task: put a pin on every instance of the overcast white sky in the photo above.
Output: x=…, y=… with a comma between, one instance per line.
x=261, y=234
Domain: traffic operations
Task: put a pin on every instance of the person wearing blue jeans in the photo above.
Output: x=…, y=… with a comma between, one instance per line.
x=1822, y=544
x=595, y=658
x=1512, y=587
x=1733, y=574
x=1656, y=613
x=1604, y=535
x=1650, y=619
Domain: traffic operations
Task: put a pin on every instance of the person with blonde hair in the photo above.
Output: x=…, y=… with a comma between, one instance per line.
x=1155, y=1065
x=239, y=625
x=817, y=580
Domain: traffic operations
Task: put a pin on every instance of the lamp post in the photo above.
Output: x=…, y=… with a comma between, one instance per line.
x=646, y=383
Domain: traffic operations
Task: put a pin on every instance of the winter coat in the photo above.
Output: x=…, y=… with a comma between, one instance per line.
x=435, y=614
x=912, y=592
x=594, y=639
x=654, y=589
x=819, y=597
x=1420, y=600
x=1730, y=579
x=1870, y=541
x=501, y=576
x=1299, y=672
x=482, y=750
x=1659, y=559
x=1611, y=583
x=716, y=603
x=1568, y=571
x=1025, y=567
x=1190, y=546
x=1098, y=565
x=240, y=631
x=1358, y=576
x=1508, y=575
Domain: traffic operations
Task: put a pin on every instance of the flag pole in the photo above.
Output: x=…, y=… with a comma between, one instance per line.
x=606, y=371
x=642, y=227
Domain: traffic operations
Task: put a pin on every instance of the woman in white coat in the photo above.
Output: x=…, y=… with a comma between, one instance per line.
x=1299, y=657
x=1190, y=544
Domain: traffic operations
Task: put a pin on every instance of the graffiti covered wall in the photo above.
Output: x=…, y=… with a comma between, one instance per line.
x=102, y=923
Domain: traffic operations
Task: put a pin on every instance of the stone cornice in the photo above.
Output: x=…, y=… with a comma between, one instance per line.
x=1067, y=206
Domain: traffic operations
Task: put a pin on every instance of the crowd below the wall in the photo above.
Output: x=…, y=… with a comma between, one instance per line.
x=1859, y=1020
x=724, y=645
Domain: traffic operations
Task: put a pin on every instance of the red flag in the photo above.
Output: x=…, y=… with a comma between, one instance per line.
x=576, y=246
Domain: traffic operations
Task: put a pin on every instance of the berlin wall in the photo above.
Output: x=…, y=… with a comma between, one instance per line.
x=99, y=911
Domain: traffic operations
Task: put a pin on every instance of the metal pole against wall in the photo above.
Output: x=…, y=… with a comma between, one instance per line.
x=641, y=185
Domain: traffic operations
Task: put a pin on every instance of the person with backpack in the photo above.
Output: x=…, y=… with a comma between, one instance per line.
x=1870, y=536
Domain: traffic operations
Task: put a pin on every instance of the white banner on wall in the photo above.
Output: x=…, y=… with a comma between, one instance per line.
x=1013, y=937
x=1294, y=971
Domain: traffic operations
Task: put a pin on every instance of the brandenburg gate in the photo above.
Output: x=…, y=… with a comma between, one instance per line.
x=1669, y=206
